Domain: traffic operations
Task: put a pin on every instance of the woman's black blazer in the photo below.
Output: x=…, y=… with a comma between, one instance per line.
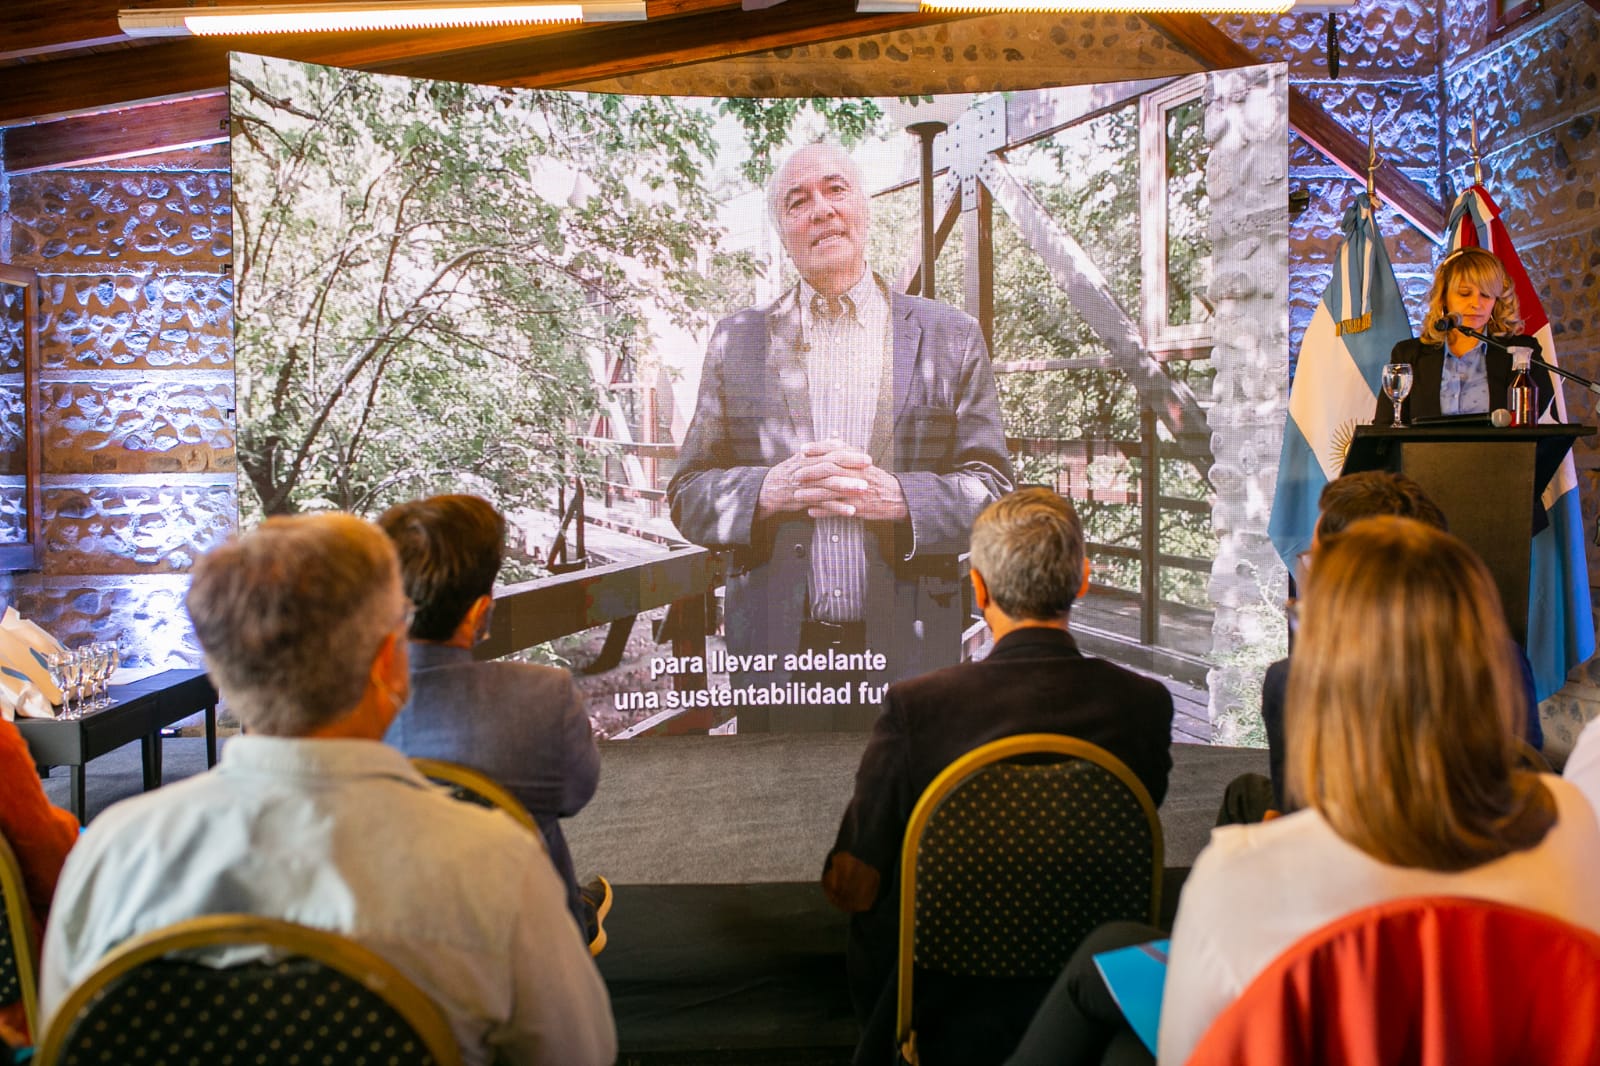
x=1427, y=375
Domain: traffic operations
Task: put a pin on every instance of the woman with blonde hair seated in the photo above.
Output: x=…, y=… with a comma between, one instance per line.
x=1403, y=705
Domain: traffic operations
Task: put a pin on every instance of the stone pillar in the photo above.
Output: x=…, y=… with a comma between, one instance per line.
x=1246, y=176
x=136, y=388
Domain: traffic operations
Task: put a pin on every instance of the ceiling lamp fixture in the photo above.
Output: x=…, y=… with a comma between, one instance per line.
x=372, y=15
x=982, y=7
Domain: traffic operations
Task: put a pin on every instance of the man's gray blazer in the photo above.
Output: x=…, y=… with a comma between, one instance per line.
x=938, y=431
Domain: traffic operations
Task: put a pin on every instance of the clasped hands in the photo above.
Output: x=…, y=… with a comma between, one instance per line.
x=831, y=478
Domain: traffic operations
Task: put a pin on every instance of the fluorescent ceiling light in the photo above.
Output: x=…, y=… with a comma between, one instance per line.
x=373, y=15
x=952, y=7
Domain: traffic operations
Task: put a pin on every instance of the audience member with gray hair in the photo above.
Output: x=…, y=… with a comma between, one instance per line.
x=1028, y=567
x=310, y=817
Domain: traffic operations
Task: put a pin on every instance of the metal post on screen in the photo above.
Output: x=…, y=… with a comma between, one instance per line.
x=925, y=133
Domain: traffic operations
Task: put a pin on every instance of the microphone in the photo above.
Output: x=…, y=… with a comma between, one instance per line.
x=1500, y=418
x=1447, y=323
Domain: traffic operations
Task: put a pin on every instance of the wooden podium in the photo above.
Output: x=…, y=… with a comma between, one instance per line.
x=1487, y=481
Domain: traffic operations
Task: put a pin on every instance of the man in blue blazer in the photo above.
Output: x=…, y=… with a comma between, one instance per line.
x=844, y=438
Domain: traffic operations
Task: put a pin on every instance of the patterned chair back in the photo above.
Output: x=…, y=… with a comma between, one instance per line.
x=1014, y=854
x=316, y=998
x=17, y=978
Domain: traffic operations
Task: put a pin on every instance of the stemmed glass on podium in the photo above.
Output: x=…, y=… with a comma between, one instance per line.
x=1397, y=386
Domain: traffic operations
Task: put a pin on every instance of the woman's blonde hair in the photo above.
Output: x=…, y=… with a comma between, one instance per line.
x=1485, y=271
x=1404, y=702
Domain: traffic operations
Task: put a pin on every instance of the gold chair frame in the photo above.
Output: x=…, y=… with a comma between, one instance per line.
x=465, y=777
x=333, y=950
x=19, y=921
x=951, y=778
x=476, y=781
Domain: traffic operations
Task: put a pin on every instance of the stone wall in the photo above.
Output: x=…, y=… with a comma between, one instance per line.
x=1388, y=80
x=136, y=389
x=1376, y=40
x=1247, y=180
x=1533, y=93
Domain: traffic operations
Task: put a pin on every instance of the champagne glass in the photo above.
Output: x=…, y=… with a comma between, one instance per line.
x=100, y=669
x=89, y=668
x=56, y=663
x=83, y=678
x=71, y=667
x=113, y=663
x=86, y=669
x=1397, y=386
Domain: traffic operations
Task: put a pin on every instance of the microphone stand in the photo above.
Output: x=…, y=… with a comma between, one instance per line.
x=1592, y=386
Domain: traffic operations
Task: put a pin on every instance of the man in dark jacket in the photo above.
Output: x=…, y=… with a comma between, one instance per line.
x=1028, y=566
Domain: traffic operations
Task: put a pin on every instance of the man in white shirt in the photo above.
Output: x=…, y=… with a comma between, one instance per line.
x=310, y=818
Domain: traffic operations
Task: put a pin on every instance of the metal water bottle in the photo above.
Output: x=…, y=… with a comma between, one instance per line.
x=1520, y=394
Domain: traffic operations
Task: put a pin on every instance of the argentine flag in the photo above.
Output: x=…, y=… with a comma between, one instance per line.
x=1560, y=619
x=1338, y=379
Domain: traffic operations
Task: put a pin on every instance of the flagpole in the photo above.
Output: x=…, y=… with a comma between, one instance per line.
x=1477, y=160
x=1372, y=167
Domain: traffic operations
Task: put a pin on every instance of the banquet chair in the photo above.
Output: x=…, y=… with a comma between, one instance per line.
x=18, y=981
x=1428, y=981
x=305, y=995
x=474, y=786
x=1014, y=853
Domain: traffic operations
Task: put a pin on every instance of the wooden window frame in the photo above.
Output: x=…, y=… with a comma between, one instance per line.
x=1162, y=340
x=1507, y=14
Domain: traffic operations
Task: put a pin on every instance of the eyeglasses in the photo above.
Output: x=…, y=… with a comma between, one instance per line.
x=408, y=616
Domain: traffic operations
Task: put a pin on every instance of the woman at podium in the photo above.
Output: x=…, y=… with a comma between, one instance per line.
x=1454, y=373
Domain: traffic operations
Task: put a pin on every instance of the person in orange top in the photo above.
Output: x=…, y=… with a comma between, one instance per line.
x=40, y=834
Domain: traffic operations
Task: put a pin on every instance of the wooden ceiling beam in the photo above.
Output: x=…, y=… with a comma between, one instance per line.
x=1217, y=51
x=185, y=66
x=42, y=27
x=1329, y=136
x=135, y=131
x=387, y=53
x=679, y=32
x=104, y=81
x=617, y=49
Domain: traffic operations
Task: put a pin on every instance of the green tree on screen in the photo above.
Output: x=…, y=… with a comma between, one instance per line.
x=1087, y=178
x=427, y=273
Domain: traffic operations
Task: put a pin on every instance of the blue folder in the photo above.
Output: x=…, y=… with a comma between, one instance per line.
x=1136, y=977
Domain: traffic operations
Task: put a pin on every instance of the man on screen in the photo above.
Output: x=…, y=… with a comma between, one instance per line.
x=844, y=438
